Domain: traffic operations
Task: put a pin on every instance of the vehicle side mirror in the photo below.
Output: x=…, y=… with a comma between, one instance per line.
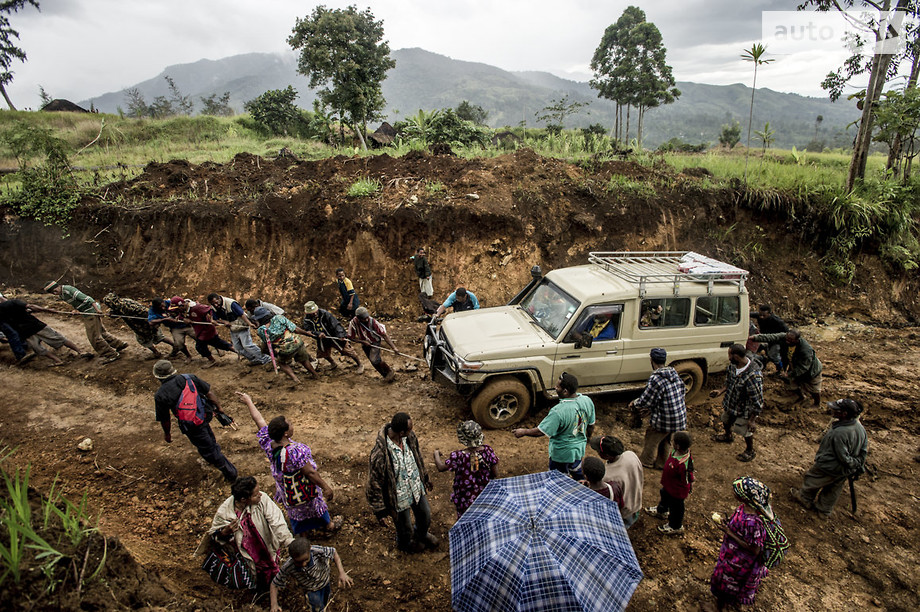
x=586, y=340
x=581, y=339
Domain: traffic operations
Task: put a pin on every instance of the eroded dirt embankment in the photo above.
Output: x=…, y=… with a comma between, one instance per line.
x=279, y=228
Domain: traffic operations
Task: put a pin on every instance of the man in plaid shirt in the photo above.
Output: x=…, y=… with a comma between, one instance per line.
x=743, y=400
x=663, y=398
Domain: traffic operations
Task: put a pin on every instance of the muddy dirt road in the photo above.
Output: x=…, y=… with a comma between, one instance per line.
x=158, y=499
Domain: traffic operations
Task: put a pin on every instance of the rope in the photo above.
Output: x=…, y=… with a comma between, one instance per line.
x=312, y=335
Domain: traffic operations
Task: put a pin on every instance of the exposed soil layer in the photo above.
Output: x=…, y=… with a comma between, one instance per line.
x=277, y=229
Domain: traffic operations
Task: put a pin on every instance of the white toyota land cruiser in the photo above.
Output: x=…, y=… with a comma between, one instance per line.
x=597, y=321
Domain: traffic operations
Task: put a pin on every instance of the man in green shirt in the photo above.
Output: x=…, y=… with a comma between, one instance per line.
x=568, y=425
x=105, y=344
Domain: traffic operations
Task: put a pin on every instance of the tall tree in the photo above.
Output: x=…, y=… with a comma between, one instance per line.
x=887, y=22
x=9, y=39
x=630, y=68
x=755, y=55
x=654, y=78
x=343, y=51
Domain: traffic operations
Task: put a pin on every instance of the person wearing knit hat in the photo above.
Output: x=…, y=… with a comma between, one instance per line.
x=841, y=456
x=166, y=400
x=664, y=399
x=473, y=466
x=623, y=467
x=105, y=344
x=329, y=334
x=370, y=333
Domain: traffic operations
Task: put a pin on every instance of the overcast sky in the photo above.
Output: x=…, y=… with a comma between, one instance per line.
x=78, y=49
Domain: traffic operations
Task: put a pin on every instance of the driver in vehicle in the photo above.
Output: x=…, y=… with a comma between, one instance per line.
x=600, y=326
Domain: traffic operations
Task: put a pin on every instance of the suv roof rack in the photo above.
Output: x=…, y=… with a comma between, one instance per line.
x=669, y=268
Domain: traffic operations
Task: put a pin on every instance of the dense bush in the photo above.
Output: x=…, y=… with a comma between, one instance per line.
x=676, y=144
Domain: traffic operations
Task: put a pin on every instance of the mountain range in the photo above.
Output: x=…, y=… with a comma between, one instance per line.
x=428, y=81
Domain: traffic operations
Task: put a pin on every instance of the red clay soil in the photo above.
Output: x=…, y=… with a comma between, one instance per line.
x=278, y=228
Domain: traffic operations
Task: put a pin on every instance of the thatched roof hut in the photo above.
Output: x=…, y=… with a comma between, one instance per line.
x=383, y=137
x=65, y=106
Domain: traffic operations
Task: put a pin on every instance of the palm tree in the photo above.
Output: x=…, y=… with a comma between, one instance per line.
x=754, y=54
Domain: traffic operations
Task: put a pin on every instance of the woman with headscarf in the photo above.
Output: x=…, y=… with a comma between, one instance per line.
x=754, y=542
x=473, y=466
x=255, y=525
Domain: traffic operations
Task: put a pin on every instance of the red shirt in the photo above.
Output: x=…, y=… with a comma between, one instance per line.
x=202, y=312
x=677, y=476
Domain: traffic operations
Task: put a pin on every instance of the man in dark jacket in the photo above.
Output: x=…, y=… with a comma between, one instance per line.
x=202, y=438
x=743, y=400
x=397, y=482
x=329, y=334
x=769, y=323
x=423, y=271
x=802, y=368
x=841, y=455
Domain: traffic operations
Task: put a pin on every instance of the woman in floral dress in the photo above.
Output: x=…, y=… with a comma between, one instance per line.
x=299, y=487
x=473, y=466
x=753, y=541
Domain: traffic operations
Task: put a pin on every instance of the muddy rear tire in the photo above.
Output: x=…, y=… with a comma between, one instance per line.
x=692, y=374
x=501, y=402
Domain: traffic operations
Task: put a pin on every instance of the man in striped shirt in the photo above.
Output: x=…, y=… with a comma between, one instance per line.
x=309, y=568
x=105, y=344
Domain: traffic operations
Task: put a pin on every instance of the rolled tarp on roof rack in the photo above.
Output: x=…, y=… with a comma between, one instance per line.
x=644, y=268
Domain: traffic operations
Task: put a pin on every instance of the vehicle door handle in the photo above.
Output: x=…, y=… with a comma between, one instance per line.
x=613, y=352
x=572, y=357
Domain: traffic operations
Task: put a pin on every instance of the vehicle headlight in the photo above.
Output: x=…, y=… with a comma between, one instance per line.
x=468, y=366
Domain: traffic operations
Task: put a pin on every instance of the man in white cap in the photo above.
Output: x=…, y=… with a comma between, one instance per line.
x=170, y=399
x=329, y=334
x=370, y=332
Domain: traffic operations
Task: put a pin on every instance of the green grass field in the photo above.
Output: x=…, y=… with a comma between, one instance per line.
x=123, y=146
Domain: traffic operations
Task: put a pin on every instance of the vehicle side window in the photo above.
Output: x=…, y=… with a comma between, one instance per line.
x=602, y=323
x=724, y=310
x=664, y=312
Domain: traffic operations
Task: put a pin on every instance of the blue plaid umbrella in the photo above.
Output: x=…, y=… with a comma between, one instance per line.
x=541, y=542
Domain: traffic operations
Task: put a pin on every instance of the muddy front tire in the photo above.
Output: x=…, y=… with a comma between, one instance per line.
x=501, y=403
x=692, y=375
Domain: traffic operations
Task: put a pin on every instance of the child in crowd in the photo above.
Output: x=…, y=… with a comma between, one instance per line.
x=473, y=466
x=309, y=567
x=595, y=470
x=676, y=484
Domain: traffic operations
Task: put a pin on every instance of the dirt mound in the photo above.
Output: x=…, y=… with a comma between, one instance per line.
x=281, y=226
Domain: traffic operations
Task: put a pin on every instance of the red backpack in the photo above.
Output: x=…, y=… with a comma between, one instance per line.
x=191, y=407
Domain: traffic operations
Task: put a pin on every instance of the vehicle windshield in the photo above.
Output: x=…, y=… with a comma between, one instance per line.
x=550, y=307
